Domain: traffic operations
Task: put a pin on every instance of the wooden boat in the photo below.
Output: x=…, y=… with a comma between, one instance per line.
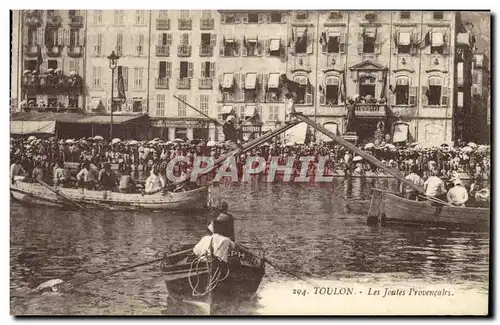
x=37, y=194
x=388, y=207
x=187, y=280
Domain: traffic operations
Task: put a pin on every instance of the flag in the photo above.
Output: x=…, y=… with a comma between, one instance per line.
x=342, y=89
x=39, y=60
x=383, y=93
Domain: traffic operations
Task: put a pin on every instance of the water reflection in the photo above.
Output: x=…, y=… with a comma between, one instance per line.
x=302, y=227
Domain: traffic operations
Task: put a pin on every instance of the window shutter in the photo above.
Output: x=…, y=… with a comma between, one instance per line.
x=169, y=39
x=259, y=49
x=203, y=69
x=425, y=100
x=61, y=36
x=266, y=47
x=265, y=81
x=242, y=81
x=446, y=45
x=25, y=36
x=428, y=47
x=378, y=44
x=160, y=39
x=392, y=99
x=213, y=39
x=40, y=37
x=81, y=39
x=125, y=77
x=190, y=70
x=169, y=70
x=444, y=96
x=310, y=42
x=309, y=98
x=360, y=43
x=261, y=18
x=322, y=99
x=244, y=51
x=212, y=69
x=412, y=96
x=342, y=43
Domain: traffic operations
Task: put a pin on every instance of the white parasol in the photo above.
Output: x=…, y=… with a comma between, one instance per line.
x=357, y=158
x=70, y=141
x=98, y=137
x=390, y=146
x=178, y=140
x=211, y=143
x=472, y=145
x=115, y=140
x=467, y=149
x=31, y=138
x=133, y=142
x=369, y=145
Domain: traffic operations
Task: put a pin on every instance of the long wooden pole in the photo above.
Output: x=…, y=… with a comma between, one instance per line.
x=365, y=156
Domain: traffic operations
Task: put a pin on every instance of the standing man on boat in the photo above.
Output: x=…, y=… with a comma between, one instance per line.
x=457, y=195
x=225, y=222
x=411, y=193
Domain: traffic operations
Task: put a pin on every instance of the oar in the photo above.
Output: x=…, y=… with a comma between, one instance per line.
x=82, y=280
x=276, y=266
x=60, y=194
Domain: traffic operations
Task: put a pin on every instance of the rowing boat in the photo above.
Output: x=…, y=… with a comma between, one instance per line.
x=209, y=283
x=37, y=194
x=388, y=207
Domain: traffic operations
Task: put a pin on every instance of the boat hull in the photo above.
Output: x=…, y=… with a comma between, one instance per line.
x=392, y=208
x=37, y=194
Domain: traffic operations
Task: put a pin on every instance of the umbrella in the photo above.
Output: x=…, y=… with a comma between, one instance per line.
x=31, y=138
x=26, y=71
x=133, y=142
x=483, y=148
x=169, y=142
x=98, y=137
x=472, y=145
x=115, y=140
x=211, y=143
x=50, y=70
x=177, y=140
x=357, y=158
x=152, y=142
x=70, y=141
x=369, y=145
x=467, y=149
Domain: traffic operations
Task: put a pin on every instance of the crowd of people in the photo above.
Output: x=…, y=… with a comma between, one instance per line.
x=48, y=158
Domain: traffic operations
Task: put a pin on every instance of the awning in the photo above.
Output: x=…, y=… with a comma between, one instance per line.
x=227, y=109
x=370, y=33
x=32, y=127
x=300, y=31
x=437, y=39
x=250, y=110
x=404, y=39
x=332, y=33
x=274, y=80
x=460, y=70
x=251, y=39
x=460, y=99
x=400, y=132
x=106, y=119
x=463, y=39
x=274, y=45
x=228, y=80
x=250, y=80
x=229, y=39
x=39, y=116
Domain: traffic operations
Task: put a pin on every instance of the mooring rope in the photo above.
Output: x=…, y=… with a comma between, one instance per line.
x=213, y=278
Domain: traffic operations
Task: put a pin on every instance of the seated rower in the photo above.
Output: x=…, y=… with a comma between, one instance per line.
x=411, y=193
x=216, y=243
x=225, y=221
x=59, y=177
x=457, y=195
x=127, y=184
x=434, y=186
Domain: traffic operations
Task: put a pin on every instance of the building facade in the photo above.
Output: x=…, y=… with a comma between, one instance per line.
x=406, y=67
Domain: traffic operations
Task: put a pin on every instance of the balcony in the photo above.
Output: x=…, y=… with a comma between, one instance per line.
x=54, y=50
x=31, y=50
x=76, y=21
x=54, y=21
x=162, y=24
x=183, y=83
x=162, y=83
x=184, y=50
x=33, y=19
x=185, y=24
x=205, y=83
x=206, y=23
x=206, y=50
x=162, y=50
x=75, y=51
x=370, y=110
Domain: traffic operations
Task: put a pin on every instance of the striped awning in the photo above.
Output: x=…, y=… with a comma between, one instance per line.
x=404, y=38
x=274, y=80
x=228, y=80
x=250, y=81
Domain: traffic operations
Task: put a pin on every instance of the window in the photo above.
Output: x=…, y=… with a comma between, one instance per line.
x=205, y=69
x=73, y=101
x=367, y=86
x=402, y=91
x=32, y=36
x=301, y=43
x=165, y=39
x=72, y=13
x=51, y=36
x=404, y=43
x=302, y=89
x=206, y=14
x=74, y=65
x=273, y=113
x=229, y=19
x=160, y=104
x=253, y=18
x=137, y=104
x=30, y=65
x=332, y=91
x=437, y=43
x=52, y=64
x=163, y=14
x=205, y=39
x=96, y=77
x=119, y=44
x=437, y=15
x=183, y=69
x=138, y=75
x=98, y=44
x=476, y=77
x=368, y=43
x=229, y=48
x=139, y=17
x=251, y=47
x=181, y=106
x=405, y=15
x=122, y=72
x=74, y=37
x=434, y=92
x=275, y=17
x=185, y=39
x=164, y=69
x=333, y=44
x=184, y=14
x=97, y=17
x=118, y=17
x=204, y=104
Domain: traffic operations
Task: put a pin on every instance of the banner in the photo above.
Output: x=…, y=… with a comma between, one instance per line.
x=400, y=133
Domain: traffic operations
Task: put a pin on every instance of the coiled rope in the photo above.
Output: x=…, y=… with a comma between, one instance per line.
x=214, y=278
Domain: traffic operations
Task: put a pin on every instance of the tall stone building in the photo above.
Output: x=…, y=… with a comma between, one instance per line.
x=406, y=68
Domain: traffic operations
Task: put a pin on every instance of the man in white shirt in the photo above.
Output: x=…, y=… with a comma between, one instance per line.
x=411, y=193
x=458, y=195
x=434, y=186
x=220, y=245
x=16, y=169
